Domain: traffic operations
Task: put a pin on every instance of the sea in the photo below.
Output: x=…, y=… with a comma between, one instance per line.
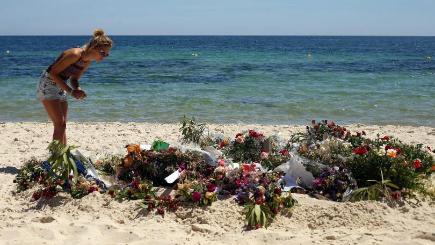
x=232, y=79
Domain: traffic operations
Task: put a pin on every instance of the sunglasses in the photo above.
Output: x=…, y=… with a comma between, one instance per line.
x=103, y=54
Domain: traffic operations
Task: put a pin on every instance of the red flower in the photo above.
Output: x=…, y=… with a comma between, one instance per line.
x=331, y=124
x=36, y=196
x=135, y=184
x=284, y=152
x=385, y=138
x=396, y=195
x=238, y=182
x=161, y=211
x=111, y=193
x=277, y=191
x=254, y=134
x=196, y=196
x=239, y=134
x=211, y=187
x=172, y=150
x=360, y=150
x=92, y=189
x=417, y=163
x=259, y=200
x=387, y=147
x=248, y=167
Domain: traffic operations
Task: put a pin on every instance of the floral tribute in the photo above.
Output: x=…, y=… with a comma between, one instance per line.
x=345, y=166
x=353, y=160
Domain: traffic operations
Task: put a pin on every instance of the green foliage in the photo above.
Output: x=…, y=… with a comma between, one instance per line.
x=192, y=131
x=29, y=175
x=381, y=190
x=274, y=160
x=61, y=160
x=398, y=167
x=135, y=190
x=257, y=216
x=405, y=165
x=157, y=165
x=108, y=164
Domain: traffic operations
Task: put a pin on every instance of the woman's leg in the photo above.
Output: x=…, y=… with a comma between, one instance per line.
x=55, y=112
x=64, y=106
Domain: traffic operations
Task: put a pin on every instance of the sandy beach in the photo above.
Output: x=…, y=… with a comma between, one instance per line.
x=98, y=219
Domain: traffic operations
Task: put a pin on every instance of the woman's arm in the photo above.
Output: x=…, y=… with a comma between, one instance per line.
x=70, y=57
x=75, y=78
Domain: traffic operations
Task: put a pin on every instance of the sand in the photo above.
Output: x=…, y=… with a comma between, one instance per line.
x=98, y=219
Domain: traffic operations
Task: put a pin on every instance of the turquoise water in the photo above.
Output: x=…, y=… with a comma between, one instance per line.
x=271, y=80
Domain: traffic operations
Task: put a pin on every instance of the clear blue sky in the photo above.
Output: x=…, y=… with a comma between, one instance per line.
x=218, y=17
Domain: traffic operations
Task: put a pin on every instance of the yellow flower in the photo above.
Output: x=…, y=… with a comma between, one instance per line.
x=183, y=187
x=209, y=195
x=392, y=153
x=143, y=187
x=261, y=189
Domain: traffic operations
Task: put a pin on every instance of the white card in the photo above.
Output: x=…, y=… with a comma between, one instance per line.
x=173, y=177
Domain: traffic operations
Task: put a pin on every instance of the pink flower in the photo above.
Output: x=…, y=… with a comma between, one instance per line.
x=221, y=162
x=385, y=138
x=264, y=155
x=417, y=163
x=196, y=196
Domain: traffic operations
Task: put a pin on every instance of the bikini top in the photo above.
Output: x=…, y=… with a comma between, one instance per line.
x=72, y=70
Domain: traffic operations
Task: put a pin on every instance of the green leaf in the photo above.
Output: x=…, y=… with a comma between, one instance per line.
x=73, y=164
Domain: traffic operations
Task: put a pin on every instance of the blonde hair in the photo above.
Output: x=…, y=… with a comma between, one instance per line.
x=99, y=40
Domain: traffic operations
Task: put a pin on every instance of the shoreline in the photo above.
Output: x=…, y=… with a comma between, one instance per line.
x=98, y=218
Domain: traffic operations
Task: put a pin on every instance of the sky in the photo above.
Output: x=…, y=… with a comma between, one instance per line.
x=218, y=17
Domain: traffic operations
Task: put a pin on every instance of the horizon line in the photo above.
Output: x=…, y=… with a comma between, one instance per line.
x=216, y=35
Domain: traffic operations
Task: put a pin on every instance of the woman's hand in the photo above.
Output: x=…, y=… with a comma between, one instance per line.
x=78, y=94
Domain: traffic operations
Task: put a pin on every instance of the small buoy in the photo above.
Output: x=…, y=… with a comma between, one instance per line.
x=7, y=51
x=428, y=57
x=309, y=55
x=195, y=54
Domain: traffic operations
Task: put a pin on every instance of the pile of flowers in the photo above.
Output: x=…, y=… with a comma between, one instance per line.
x=364, y=160
x=253, y=146
x=348, y=166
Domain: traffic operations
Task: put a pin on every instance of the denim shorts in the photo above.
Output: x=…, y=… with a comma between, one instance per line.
x=48, y=90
